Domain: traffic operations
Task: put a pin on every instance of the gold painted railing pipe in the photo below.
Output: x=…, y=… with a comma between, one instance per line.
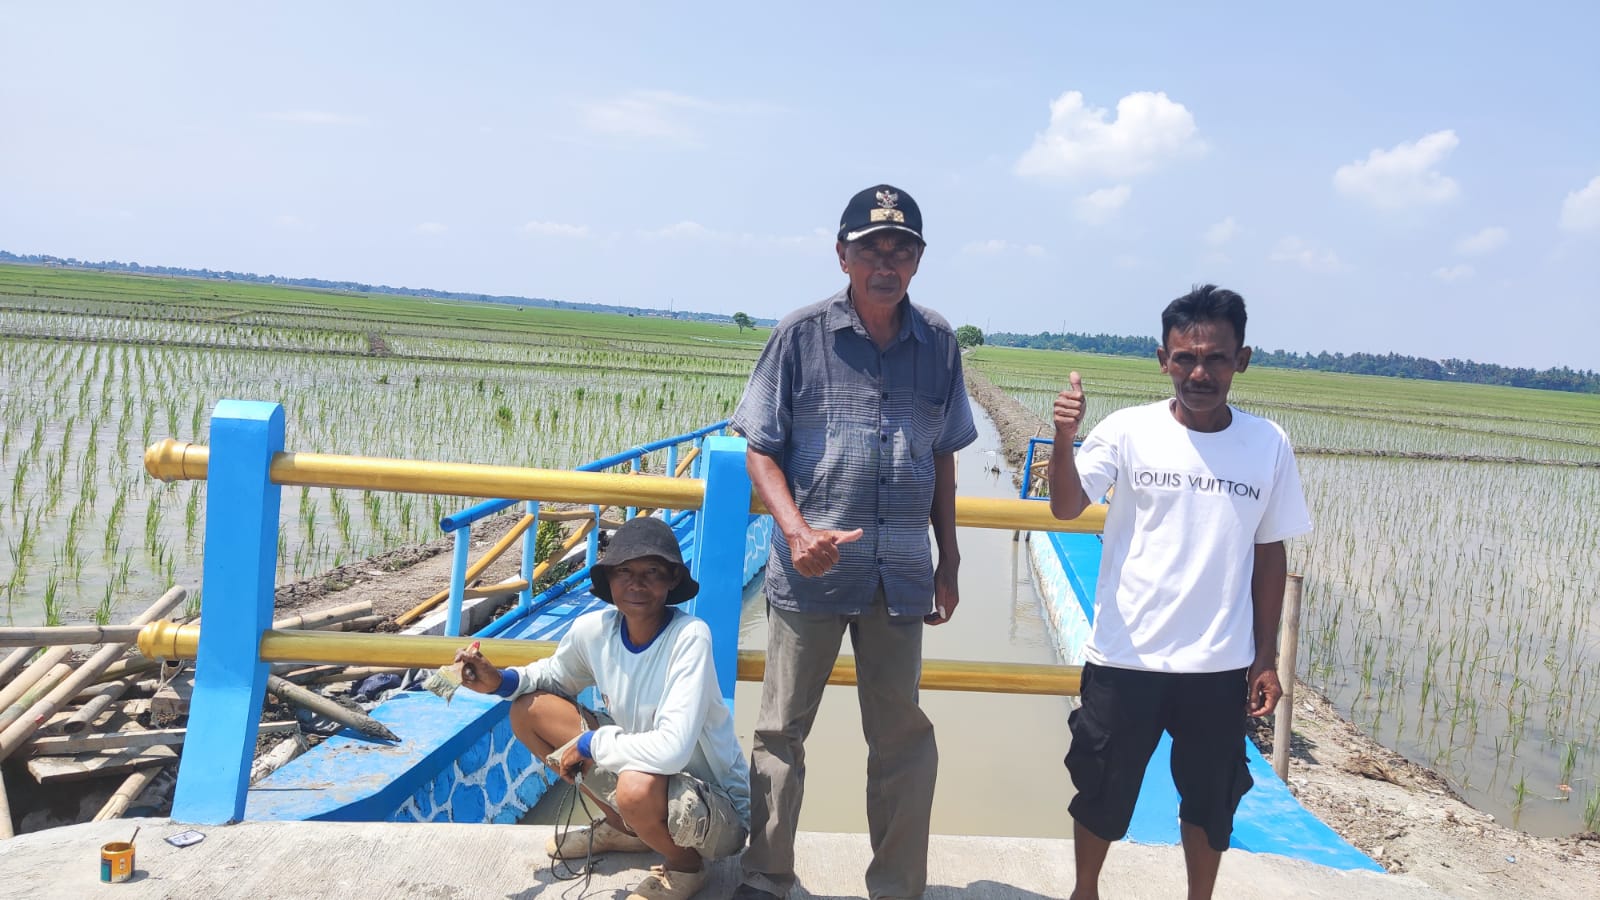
x=171, y=460
x=166, y=640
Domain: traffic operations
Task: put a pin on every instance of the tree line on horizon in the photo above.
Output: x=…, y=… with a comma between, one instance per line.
x=1393, y=365
x=357, y=287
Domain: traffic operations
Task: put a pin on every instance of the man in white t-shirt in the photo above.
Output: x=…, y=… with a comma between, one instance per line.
x=1192, y=572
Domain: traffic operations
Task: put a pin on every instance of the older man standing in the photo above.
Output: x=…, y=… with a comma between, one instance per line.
x=854, y=414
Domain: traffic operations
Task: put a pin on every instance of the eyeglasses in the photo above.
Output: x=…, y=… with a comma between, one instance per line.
x=647, y=575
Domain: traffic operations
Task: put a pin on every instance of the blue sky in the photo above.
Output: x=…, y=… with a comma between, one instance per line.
x=1422, y=178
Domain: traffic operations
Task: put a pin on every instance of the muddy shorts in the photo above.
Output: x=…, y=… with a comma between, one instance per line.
x=699, y=814
x=1122, y=715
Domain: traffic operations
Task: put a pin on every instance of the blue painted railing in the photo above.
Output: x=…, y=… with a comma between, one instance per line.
x=241, y=541
x=459, y=525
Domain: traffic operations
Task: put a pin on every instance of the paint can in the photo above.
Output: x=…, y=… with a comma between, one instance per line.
x=116, y=861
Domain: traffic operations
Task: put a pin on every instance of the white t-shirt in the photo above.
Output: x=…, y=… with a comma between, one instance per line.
x=1188, y=510
x=669, y=711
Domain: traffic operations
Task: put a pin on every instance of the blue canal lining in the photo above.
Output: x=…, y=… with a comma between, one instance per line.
x=1269, y=820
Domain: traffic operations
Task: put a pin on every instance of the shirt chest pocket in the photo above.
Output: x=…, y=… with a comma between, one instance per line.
x=928, y=414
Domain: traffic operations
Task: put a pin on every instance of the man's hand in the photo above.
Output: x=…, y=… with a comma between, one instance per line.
x=571, y=761
x=1069, y=408
x=477, y=672
x=1264, y=690
x=816, y=550
x=946, y=594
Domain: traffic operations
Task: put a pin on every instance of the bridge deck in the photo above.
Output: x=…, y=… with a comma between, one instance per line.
x=340, y=859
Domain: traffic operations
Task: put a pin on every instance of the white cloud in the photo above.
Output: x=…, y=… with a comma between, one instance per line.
x=681, y=231
x=314, y=117
x=287, y=220
x=1102, y=206
x=1306, y=255
x=996, y=247
x=1455, y=272
x=1404, y=177
x=694, y=231
x=1079, y=141
x=431, y=228
x=555, y=229
x=1581, y=210
x=1486, y=241
x=662, y=116
x=1222, y=232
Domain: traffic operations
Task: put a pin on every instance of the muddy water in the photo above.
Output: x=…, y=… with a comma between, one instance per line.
x=1000, y=769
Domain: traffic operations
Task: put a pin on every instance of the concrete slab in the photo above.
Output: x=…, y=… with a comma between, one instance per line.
x=373, y=860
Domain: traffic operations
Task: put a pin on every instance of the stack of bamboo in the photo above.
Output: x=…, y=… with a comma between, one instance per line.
x=76, y=722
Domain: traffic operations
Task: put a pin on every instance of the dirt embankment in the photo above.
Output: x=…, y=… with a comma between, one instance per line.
x=1402, y=814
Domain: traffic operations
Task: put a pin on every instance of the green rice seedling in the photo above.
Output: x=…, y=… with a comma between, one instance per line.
x=102, y=613
x=52, y=601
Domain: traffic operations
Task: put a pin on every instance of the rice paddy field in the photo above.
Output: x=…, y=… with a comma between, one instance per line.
x=1450, y=583
x=95, y=367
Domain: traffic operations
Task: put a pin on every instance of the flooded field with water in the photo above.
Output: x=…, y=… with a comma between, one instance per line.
x=1450, y=581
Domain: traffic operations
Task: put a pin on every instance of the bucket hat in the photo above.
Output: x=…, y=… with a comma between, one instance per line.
x=639, y=537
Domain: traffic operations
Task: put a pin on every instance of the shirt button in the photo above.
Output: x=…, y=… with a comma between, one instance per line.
x=885, y=395
x=880, y=520
x=886, y=439
x=880, y=560
x=883, y=479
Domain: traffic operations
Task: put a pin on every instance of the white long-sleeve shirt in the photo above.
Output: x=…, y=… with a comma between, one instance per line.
x=664, y=698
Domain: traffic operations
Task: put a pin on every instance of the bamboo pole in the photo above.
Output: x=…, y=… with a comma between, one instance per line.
x=14, y=662
x=1288, y=647
x=363, y=623
x=289, y=692
x=34, y=696
x=68, y=744
x=686, y=461
x=40, y=713
x=67, y=635
x=279, y=756
x=31, y=675
x=6, y=831
x=101, y=696
x=323, y=618
x=127, y=666
x=171, y=641
x=130, y=790
x=473, y=571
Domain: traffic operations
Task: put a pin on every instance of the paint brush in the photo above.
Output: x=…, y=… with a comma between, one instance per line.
x=446, y=679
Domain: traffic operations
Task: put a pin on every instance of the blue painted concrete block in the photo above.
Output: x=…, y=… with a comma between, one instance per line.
x=241, y=549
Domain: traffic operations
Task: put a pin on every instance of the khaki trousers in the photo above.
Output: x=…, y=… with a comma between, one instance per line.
x=902, y=757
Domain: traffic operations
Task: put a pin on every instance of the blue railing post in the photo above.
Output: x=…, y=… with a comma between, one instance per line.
x=458, y=581
x=633, y=469
x=672, y=470
x=530, y=549
x=241, y=548
x=719, y=552
x=593, y=555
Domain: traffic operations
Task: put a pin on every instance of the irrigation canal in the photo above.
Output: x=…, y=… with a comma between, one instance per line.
x=1000, y=619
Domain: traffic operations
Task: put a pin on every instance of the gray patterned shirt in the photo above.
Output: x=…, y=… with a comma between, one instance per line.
x=855, y=430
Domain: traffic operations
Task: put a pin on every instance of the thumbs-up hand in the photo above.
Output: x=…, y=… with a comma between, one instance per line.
x=1069, y=409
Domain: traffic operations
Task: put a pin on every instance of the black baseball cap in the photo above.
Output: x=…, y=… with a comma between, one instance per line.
x=638, y=537
x=879, y=208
